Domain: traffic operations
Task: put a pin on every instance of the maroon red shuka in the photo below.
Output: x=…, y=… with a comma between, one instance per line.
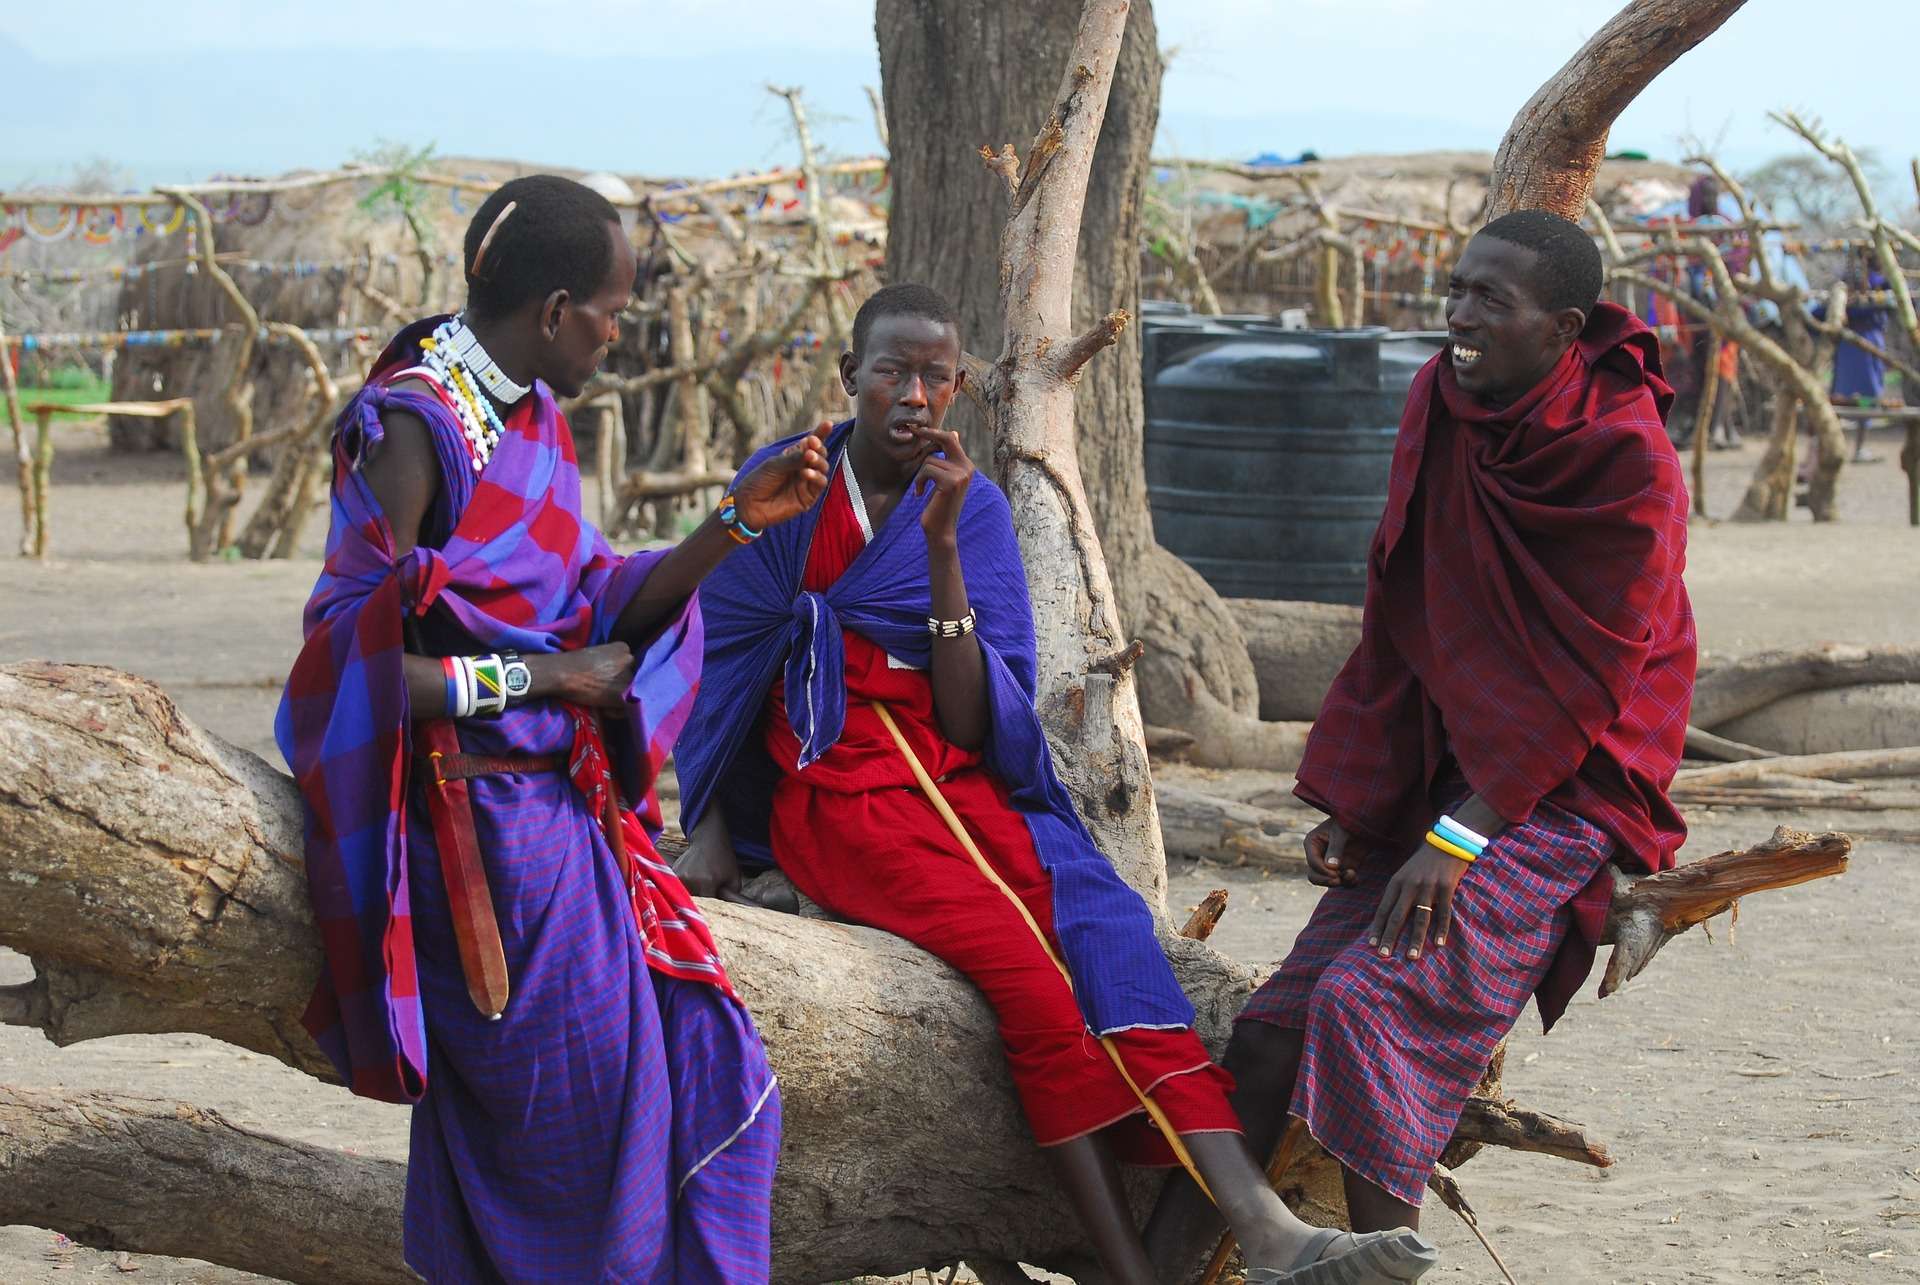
x=1525, y=617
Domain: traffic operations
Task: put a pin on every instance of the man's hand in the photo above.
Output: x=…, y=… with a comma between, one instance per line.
x=1328, y=863
x=1418, y=900
x=787, y=485
x=710, y=868
x=949, y=478
x=595, y=677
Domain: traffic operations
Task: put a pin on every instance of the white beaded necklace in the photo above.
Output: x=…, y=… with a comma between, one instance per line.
x=465, y=347
x=478, y=420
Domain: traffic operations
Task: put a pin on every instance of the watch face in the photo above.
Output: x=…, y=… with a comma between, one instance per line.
x=518, y=680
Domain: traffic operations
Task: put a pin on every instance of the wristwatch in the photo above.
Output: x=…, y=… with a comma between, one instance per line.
x=515, y=677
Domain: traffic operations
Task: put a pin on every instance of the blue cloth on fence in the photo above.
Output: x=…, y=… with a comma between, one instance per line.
x=760, y=623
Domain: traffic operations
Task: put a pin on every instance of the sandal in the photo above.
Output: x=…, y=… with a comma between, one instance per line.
x=1367, y=1258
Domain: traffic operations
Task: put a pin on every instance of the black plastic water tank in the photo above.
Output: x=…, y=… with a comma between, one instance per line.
x=1267, y=450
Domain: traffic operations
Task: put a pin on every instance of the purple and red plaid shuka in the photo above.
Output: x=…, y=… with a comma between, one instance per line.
x=1527, y=638
x=1394, y=1047
x=620, y=1121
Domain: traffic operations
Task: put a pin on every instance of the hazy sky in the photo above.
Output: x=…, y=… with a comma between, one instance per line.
x=178, y=90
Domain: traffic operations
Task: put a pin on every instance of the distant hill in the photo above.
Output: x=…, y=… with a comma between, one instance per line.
x=265, y=112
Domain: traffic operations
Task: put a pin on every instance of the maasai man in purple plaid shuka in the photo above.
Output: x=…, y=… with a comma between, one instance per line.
x=1507, y=727
x=485, y=697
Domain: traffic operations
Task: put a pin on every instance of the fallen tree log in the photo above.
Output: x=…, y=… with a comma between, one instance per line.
x=1297, y=650
x=155, y=1177
x=1207, y=828
x=1846, y=765
x=1868, y=716
x=1705, y=745
x=153, y=878
x=1726, y=691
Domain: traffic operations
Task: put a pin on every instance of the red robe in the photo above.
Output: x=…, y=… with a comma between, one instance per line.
x=1525, y=619
x=855, y=834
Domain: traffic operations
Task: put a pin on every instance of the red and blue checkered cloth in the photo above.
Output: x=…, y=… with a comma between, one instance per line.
x=1525, y=618
x=518, y=569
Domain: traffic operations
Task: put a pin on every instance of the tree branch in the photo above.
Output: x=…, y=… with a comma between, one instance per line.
x=1104, y=333
x=1648, y=913
x=1554, y=146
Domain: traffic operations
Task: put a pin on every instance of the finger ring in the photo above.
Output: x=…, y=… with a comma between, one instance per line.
x=1428, y=909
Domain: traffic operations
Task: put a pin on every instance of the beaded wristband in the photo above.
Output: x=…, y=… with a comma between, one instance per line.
x=1451, y=848
x=730, y=519
x=1461, y=835
x=489, y=686
x=951, y=628
x=460, y=678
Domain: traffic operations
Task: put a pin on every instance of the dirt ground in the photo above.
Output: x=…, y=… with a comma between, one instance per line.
x=1760, y=1095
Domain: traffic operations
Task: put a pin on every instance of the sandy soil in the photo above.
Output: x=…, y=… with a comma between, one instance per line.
x=1760, y=1095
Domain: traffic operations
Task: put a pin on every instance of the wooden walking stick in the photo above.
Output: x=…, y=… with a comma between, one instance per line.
x=940, y=805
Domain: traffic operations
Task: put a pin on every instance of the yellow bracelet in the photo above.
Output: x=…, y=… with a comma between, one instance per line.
x=1449, y=847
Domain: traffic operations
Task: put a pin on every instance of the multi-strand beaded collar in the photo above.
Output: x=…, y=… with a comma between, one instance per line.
x=454, y=355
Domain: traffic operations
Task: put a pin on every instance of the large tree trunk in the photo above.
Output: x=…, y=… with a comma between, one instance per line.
x=1554, y=146
x=960, y=76
x=154, y=880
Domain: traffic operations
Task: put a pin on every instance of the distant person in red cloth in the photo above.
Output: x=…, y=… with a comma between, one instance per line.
x=892, y=624
x=1507, y=727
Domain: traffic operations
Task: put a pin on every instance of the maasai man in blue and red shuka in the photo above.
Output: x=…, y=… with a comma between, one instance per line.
x=483, y=683
x=1507, y=727
x=904, y=587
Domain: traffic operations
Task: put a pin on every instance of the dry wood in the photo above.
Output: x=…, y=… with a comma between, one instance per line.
x=1203, y=827
x=158, y=1177
x=1028, y=393
x=1297, y=650
x=1798, y=388
x=1840, y=154
x=42, y=479
x=1206, y=916
x=22, y=448
x=1790, y=794
x=157, y=886
x=1728, y=690
x=1705, y=745
x=1444, y=1185
x=1648, y=913
x=1502, y=1123
x=224, y=473
x=373, y=174
x=1847, y=765
x=1554, y=146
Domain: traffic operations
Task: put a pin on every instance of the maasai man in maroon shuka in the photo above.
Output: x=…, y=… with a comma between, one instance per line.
x=1505, y=730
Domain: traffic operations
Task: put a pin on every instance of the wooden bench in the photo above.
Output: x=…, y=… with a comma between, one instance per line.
x=43, y=413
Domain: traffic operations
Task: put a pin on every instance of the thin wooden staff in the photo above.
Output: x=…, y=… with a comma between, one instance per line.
x=940, y=805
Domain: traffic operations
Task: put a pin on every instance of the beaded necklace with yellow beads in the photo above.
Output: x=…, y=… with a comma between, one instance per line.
x=453, y=353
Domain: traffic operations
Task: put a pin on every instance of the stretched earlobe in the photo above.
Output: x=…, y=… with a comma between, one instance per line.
x=552, y=313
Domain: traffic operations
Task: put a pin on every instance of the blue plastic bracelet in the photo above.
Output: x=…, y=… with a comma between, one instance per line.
x=1448, y=829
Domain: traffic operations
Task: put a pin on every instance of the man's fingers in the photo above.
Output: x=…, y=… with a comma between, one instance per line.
x=1442, y=919
x=1418, y=922
x=1377, y=930
x=1334, y=845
